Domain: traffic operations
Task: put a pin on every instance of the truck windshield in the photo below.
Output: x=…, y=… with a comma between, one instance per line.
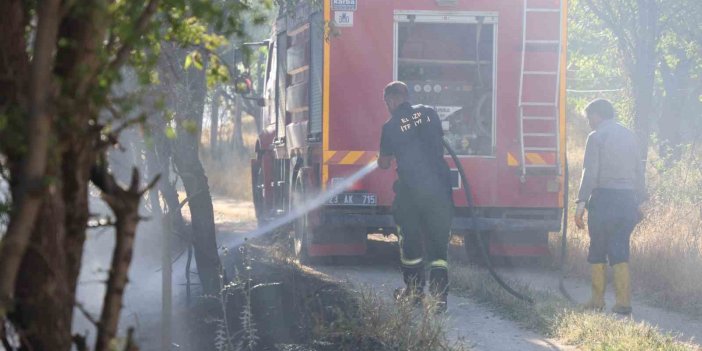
x=450, y=67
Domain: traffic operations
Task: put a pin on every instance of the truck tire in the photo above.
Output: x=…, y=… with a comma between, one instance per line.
x=258, y=193
x=301, y=233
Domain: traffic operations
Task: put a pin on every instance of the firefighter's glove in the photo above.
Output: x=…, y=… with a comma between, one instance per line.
x=579, y=215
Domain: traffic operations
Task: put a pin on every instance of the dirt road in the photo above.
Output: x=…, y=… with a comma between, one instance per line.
x=467, y=321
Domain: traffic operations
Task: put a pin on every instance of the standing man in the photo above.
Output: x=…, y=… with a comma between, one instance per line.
x=423, y=205
x=612, y=188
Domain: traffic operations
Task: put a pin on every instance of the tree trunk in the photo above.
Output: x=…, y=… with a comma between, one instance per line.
x=238, y=137
x=214, y=124
x=28, y=193
x=676, y=83
x=646, y=61
x=643, y=80
x=190, y=169
x=125, y=205
x=44, y=297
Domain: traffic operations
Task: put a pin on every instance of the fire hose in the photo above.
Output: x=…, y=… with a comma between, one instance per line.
x=483, y=247
x=474, y=221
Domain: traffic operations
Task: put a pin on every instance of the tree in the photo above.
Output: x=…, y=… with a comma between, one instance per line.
x=188, y=90
x=54, y=97
x=680, y=70
x=658, y=45
x=636, y=26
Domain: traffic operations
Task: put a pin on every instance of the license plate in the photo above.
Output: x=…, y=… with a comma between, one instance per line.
x=354, y=199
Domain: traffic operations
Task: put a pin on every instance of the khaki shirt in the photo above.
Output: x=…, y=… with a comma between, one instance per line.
x=612, y=161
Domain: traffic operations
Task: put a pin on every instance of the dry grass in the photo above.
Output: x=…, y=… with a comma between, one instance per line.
x=360, y=318
x=229, y=172
x=597, y=331
x=666, y=248
x=230, y=175
x=554, y=317
x=382, y=325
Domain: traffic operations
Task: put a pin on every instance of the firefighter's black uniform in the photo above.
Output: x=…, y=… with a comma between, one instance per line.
x=423, y=205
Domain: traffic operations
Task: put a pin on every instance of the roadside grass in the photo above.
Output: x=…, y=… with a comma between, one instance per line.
x=359, y=318
x=666, y=247
x=379, y=324
x=555, y=317
x=596, y=331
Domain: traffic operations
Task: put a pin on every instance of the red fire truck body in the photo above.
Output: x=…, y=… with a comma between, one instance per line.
x=493, y=70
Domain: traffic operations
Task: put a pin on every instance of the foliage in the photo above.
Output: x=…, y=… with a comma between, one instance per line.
x=606, y=39
x=594, y=65
x=95, y=61
x=679, y=182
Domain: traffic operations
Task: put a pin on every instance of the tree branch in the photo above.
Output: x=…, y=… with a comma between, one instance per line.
x=187, y=199
x=139, y=28
x=125, y=205
x=16, y=240
x=86, y=314
x=606, y=15
x=80, y=342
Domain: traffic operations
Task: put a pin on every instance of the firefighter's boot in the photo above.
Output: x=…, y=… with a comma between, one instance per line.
x=413, y=292
x=438, y=287
x=622, y=289
x=599, y=281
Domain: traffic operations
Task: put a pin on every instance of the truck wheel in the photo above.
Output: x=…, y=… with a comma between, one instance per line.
x=301, y=229
x=257, y=190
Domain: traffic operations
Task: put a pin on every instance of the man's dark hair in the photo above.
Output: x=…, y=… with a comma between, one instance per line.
x=396, y=88
x=600, y=107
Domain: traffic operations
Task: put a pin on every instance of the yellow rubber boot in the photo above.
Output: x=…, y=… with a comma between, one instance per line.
x=599, y=281
x=622, y=288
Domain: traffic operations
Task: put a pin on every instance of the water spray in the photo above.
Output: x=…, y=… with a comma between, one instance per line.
x=314, y=203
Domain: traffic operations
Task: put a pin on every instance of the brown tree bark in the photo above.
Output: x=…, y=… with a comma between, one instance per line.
x=28, y=193
x=48, y=274
x=44, y=299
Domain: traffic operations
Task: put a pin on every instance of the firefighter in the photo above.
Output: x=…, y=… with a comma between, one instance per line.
x=423, y=205
x=611, y=189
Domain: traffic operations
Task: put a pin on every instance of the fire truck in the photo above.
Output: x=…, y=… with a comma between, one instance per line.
x=494, y=70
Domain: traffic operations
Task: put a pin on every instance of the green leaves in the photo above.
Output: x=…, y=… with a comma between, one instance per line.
x=170, y=132
x=217, y=72
x=193, y=58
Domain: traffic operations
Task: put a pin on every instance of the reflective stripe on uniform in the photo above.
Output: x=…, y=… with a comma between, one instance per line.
x=410, y=263
x=439, y=264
